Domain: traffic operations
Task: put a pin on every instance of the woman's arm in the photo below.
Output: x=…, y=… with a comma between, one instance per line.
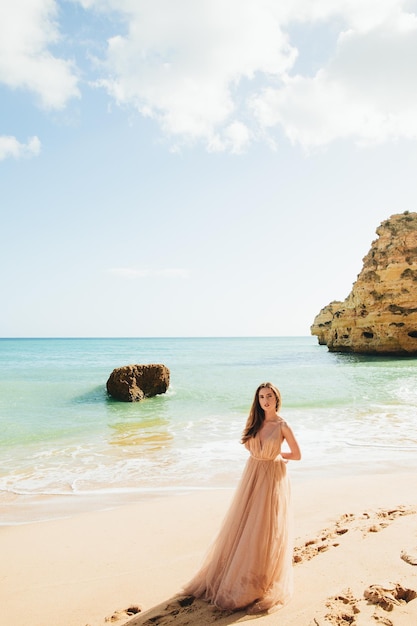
x=295, y=453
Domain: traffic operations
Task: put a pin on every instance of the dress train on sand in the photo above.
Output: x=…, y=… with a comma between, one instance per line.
x=250, y=562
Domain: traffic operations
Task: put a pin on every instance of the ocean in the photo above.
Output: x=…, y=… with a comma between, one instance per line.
x=66, y=445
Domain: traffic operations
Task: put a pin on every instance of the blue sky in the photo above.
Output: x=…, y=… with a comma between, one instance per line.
x=197, y=168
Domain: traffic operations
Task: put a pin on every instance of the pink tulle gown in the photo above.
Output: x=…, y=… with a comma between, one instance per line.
x=250, y=562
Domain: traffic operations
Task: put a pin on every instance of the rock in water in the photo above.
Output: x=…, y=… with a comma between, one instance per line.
x=380, y=314
x=131, y=383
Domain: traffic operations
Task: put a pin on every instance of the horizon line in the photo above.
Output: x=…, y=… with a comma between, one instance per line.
x=157, y=337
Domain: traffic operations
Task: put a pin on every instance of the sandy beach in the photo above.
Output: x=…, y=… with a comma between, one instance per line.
x=355, y=559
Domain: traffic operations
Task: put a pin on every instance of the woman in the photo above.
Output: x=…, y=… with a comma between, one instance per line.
x=250, y=563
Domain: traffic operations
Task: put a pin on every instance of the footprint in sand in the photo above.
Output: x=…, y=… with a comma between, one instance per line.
x=344, y=609
x=367, y=522
x=409, y=557
x=388, y=597
x=124, y=613
x=182, y=605
x=187, y=611
x=383, y=621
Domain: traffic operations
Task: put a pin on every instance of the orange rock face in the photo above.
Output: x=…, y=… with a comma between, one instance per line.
x=380, y=314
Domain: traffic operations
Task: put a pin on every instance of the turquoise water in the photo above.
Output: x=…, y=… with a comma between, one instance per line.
x=61, y=435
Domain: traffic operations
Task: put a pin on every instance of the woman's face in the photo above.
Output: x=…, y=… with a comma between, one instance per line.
x=267, y=399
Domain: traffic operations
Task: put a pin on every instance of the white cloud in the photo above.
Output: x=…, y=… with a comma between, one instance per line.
x=132, y=272
x=11, y=147
x=222, y=72
x=235, y=138
x=367, y=91
x=181, y=63
x=27, y=29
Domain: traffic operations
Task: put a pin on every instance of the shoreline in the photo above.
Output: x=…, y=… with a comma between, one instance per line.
x=26, y=509
x=82, y=569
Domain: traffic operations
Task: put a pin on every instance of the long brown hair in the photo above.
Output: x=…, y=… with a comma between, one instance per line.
x=257, y=414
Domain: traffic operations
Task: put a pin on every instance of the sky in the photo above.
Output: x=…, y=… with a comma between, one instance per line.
x=174, y=168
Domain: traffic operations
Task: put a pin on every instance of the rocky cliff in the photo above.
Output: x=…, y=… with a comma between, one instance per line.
x=380, y=314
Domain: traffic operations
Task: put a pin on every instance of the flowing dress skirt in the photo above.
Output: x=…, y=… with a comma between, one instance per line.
x=251, y=559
